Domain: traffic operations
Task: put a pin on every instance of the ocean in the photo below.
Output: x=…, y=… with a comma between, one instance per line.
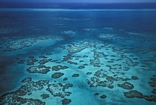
x=77, y=54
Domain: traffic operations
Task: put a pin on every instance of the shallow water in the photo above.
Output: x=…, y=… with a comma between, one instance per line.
x=77, y=57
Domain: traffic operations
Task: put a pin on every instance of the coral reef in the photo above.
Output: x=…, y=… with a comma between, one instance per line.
x=28, y=79
x=11, y=99
x=65, y=79
x=21, y=62
x=74, y=48
x=106, y=36
x=153, y=83
x=16, y=97
x=103, y=96
x=57, y=75
x=70, y=62
x=59, y=67
x=43, y=87
x=67, y=57
x=100, y=73
x=101, y=79
x=81, y=67
x=58, y=90
x=42, y=56
x=150, y=98
x=66, y=101
x=41, y=69
x=154, y=91
x=70, y=32
x=126, y=85
x=21, y=43
x=96, y=94
x=95, y=62
x=75, y=75
x=43, y=61
x=133, y=93
x=89, y=73
x=134, y=78
x=128, y=61
x=44, y=96
x=31, y=61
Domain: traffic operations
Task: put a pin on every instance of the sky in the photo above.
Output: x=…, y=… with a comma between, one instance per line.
x=81, y=1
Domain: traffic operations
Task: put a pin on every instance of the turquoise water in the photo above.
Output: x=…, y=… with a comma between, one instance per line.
x=77, y=57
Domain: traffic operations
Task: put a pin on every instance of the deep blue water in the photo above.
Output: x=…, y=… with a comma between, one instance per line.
x=71, y=5
x=45, y=21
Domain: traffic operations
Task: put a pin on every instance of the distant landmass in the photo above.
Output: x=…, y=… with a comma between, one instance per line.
x=78, y=5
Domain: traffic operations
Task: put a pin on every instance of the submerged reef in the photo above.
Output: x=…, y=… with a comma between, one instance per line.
x=71, y=33
x=57, y=75
x=37, y=66
x=66, y=101
x=23, y=42
x=59, y=67
x=15, y=100
x=17, y=97
x=97, y=68
x=106, y=36
x=42, y=69
x=153, y=83
x=34, y=88
x=133, y=93
x=31, y=61
x=126, y=85
x=19, y=44
x=74, y=48
x=58, y=90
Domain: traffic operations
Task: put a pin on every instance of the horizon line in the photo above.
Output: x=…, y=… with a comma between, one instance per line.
x=59, y=9
x=75, y=2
